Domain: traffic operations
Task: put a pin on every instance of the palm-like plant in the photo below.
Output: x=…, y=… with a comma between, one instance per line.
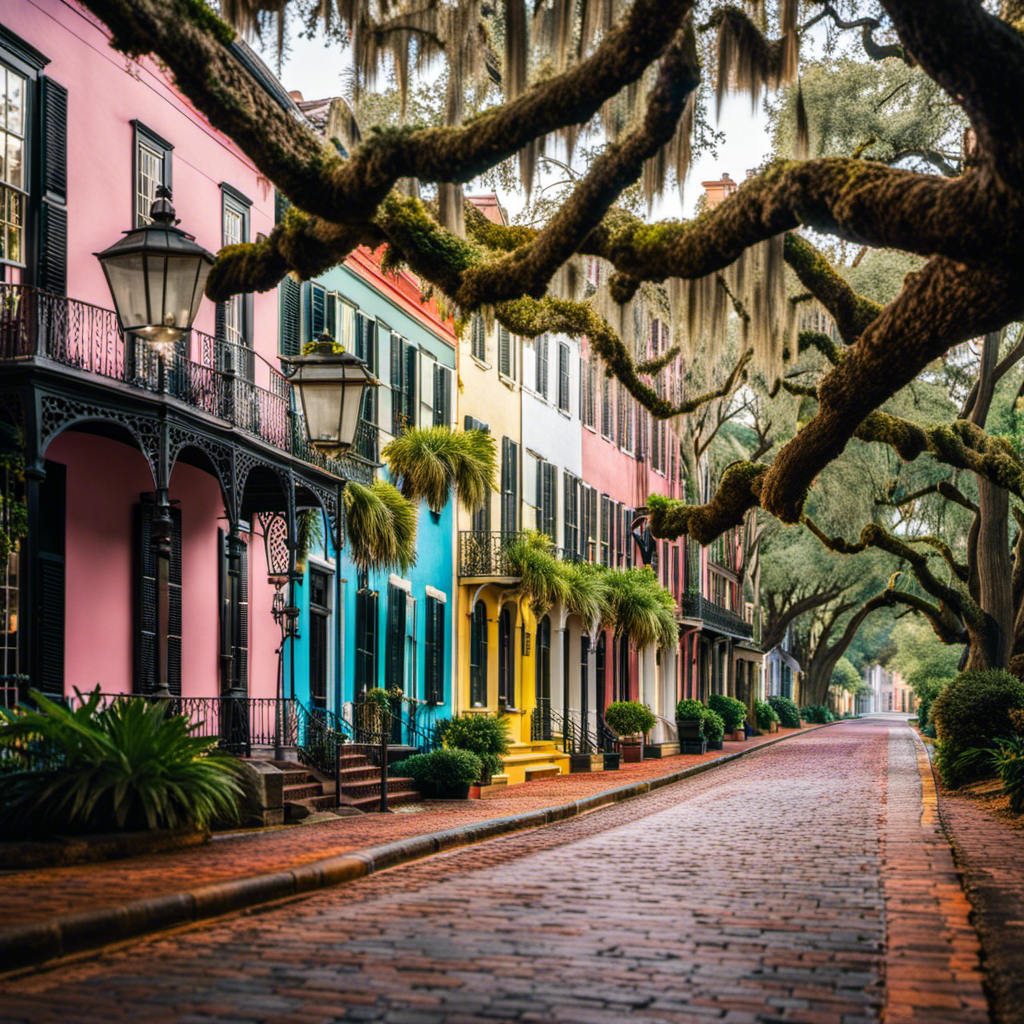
x=641, y=609
x=381, y=526
x=130, y=765
x=542, y=577
x=428, y=462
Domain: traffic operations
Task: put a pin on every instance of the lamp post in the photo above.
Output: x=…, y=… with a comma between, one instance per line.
x=156, y=274
x=331, y=383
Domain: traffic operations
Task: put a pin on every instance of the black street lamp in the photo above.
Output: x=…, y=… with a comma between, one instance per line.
x=156, y=274
x=331, y=383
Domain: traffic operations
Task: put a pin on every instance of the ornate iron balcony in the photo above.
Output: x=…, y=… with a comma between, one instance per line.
x=482, y=553
x=222, y=379
x=695, y=606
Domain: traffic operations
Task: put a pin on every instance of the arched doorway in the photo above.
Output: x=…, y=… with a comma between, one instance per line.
x=478, y=657
x=506, y=660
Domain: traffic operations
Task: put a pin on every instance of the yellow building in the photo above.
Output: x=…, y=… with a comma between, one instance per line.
x=497, y=632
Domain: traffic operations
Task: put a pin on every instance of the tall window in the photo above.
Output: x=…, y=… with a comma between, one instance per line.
x=394, y=654
x=366, y=637
x=366, y=349
x=563, y=377
x=152, y=168
x=607, y=410
x=478, y=657
x=606, y=527
x=506, y=660
x=478, y=337
x=442, y=395
x=625, y=436
x=542, y=365
x=403, y=384
x=235, y=325
x=571, y=491
x=434, y=650
x=509, y=486
x=547, y=500
x=587, y=383
x=12, y=166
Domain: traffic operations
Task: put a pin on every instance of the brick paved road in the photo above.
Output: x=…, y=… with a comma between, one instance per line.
x=761, y=892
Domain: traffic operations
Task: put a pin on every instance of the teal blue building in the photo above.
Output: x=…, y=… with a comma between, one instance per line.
x=359, y=630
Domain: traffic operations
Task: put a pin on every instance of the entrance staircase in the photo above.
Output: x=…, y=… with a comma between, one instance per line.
x=305, y=790
x=537, y=760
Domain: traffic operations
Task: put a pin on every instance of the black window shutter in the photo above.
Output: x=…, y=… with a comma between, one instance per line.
x=395, y=645
x=145, y=594
x=53, y=225
x=504, y=351
x=366, y=328
x=291, y=316
x=242, y=649
x=438, y=679
x=542, y=365
x=411, y=356
x=49, y=609
x=317, y=311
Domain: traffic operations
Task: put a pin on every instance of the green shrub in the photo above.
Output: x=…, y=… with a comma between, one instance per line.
x=1008, y=761
x=128, y=766
x=714, y=726
x=973, y=711
x=818, y=714
x=481, y=734
x=765, y=715
x=733, y=711
x=447, y=767
x=788, y=712
x=689, y=709
x=926, y=690
x=629, y=717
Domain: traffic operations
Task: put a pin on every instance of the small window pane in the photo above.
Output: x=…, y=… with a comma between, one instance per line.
x=150, y=173
x=15, y=103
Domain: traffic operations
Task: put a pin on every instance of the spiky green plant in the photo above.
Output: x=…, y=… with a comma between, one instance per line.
x=589, y=595
x=310, y=523
x=381, y=526
x=428, y=462
x=131, y=765
x=543, y=579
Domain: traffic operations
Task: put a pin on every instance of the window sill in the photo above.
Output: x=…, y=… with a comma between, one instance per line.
x=593, y=430
x=509, y=382
x=565, y=414
x=479, y=362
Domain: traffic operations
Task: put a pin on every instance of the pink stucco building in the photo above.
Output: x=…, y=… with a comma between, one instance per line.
x=117, y=449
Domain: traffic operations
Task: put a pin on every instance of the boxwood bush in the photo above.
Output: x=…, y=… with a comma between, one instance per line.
x=689, y=709
x=788, y=712
x=818, y=714
x=765, y=715
x=447, y=766
x=733, y=711
x=714, y=726
x=629, y=717
x=973, y=711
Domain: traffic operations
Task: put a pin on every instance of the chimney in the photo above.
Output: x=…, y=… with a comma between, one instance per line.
x=716, y=191
x=296, y=94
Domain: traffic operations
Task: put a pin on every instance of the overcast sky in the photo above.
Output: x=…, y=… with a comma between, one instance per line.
x=316, y=71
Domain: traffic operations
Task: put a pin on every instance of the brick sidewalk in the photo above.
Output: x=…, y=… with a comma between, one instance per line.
x=784, y=888
x=36, y=895
x=990, y=854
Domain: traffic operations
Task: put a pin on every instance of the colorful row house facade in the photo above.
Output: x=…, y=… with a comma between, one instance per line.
x=165, y=497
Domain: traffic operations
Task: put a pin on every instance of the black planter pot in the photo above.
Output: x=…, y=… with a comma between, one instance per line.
x=447, y=792
x=714, y=744
x=611, y=761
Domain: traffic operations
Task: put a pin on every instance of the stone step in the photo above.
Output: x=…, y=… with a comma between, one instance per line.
x=358, y=772
x=399, y=799
x=294, y=778
x=367, y=788
x=301, y=792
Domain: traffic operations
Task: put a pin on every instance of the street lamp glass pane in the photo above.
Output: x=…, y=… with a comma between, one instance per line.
x=321, y=402
x=127, y=277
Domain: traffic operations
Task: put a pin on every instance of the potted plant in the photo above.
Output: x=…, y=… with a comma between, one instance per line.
x=767, y=716
x=445, y=774
x=632, y=721
x=714, y=729
x=690, y=726
x=733, y=712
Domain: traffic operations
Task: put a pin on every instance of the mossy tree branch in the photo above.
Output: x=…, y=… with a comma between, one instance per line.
x=321, y=182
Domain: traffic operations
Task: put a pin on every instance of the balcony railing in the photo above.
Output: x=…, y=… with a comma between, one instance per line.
x=484, y=554
x=696, y=606
x=228, y=381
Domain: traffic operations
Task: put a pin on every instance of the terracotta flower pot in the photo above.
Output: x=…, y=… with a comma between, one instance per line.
x=632, y=752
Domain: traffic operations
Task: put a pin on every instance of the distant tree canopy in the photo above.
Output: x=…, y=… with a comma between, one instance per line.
x=916, y=147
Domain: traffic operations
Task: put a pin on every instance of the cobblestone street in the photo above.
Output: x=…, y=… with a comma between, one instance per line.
x=806, y=882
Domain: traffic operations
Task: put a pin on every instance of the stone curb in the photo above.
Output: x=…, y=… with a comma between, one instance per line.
x=35, y=943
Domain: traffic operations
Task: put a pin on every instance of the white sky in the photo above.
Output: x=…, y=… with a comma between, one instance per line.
x=316, y=71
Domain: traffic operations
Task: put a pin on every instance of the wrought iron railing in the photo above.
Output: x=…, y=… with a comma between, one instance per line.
x=483, y=553
x=696, y=606
x=220, y=378
x=367, y=442
x=573, y=732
